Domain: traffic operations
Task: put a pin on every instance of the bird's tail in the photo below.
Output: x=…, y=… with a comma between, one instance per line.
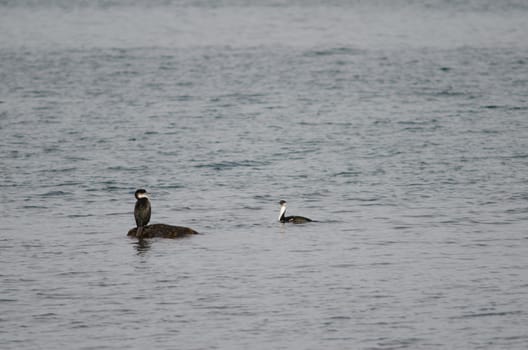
x=139, y=232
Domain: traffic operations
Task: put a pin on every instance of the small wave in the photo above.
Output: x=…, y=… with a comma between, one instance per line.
x=123, y=168
x=59, y=170
x=340, y=318
x=227, y=165
x=504, y=107
x=488, y=314
x=333, y=51
x=344, y=266
x=450, y=93
x=76, y=216
x=5, y=300
x=347, y=174
x=55, y=194
x=32, y=206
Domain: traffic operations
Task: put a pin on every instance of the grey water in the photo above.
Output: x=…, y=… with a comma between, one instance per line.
x=400, y=126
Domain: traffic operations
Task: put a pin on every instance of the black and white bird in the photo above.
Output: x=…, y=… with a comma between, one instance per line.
x=141, y=211
x=293, y=219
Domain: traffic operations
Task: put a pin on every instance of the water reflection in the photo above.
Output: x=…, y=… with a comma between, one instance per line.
x=142, y=246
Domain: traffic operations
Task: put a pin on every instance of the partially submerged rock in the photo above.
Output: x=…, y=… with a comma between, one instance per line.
x=163, y=231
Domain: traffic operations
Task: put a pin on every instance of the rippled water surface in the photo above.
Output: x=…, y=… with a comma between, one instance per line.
x=401, y=127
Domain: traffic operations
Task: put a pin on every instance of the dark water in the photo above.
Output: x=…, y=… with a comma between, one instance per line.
x=401, y=126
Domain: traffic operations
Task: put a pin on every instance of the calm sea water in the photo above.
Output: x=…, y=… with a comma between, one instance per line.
x=401, y=127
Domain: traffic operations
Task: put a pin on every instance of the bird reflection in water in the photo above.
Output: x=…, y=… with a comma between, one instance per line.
x=142, y=246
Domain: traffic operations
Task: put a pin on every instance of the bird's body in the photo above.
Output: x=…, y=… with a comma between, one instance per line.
x=142, y=211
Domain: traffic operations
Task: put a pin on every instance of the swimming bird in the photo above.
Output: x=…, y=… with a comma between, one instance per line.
x=141, y=211
x=292, y=219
